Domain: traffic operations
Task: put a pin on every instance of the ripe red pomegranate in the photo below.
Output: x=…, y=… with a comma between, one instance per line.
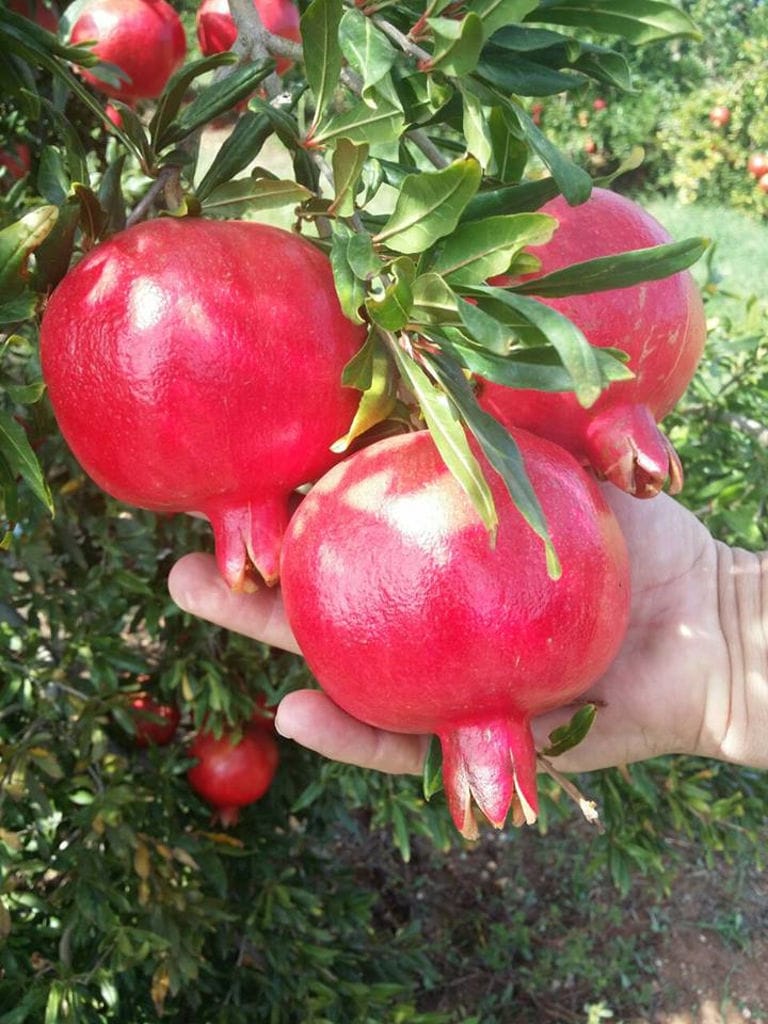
x=660, y=324
x=719, y=116
x=145, y=38
x=216, y=29
x=43, y=14
x=413, y=621
x=155, y=723
x=231, y=774
x=196, y=365
x=757, y=164
x=762, y=182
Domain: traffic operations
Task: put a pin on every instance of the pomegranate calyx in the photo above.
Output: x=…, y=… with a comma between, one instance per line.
x=625, y=446
x=248, y=538
x=492, y=763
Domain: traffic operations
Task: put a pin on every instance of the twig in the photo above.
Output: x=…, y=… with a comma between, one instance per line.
x=587, y=807
x=142, y=208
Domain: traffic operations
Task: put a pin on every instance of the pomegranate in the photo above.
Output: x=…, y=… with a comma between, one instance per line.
x=216, y=29
x=660, y=324
x=757, y=164
x=155, y=723
x=412, y=620
x=144, y=38
x=43, y=14
x=15, y=160
x=231, y=773
x=196, y=366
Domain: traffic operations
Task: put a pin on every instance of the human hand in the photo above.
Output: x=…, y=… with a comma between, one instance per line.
x=673, y=688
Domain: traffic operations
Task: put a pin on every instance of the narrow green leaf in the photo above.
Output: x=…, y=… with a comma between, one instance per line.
x=430, y=205
x=348, y=162
x=524, y=77
x=364, y=122
x=496, y=13
x=449, y=437
x=568, y=736
x=432, y=773
x=638, y=21
x=54, y=255
x=509, y=154
x=252, y=194
x=526, y=197
x=380, y=394
x=17, y=242
x=21, y=307
x=239, y=149
x=16, y=450
x=391, y=311
x=434, y=301
x=353, y=260
x=169, y=102
x=366, y=48
x=476, y=128
x=457, y=44
x=323, y=58
x=484, y=248
x=499, y=448
x=620, y=271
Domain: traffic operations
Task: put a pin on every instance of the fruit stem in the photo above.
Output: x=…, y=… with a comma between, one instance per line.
x=492, y=762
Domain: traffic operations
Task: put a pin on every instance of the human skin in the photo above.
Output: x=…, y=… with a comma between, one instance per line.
x=690, y=678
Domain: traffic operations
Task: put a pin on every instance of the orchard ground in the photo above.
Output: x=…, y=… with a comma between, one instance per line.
x=694, y=955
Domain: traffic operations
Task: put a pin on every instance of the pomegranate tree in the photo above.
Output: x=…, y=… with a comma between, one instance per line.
x=412, y=620
x=232, y=771
x=660, y=325
x=216, y=29
x=196, y=366
x=144, y=38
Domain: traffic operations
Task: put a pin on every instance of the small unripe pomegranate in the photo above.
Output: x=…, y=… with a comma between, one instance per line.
x=413, y=620
x=232, y=772
x=196, y=366
x=144, y=38
x=660, y=324
x=216, y=29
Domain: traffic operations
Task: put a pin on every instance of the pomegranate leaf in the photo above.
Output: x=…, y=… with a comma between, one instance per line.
x=638, y=21
x=323, y=59
x=499, y=448
x=348, y=162
x=619, y=271
x=567, y=736
x=366, y=48
x=524, y=76
x=429, y=206
x=523, y=198
x=353, y=259
x=510, y=155
x=481, y=249
x=238, y=150
x=170, y=101
x=475, y=126
x=449, y=436
x=392, y=309
x=457, y=44
x=17, y=242
x=365, y=121
x=379, y=396
x=432, y=772
x=17, y=453
x=234, y=198
x=495, y=13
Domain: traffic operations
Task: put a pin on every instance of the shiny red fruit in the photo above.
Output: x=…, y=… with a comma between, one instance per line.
x=144, y=38
x=719, y=116
x=757, y=164
x=216, y=29
x=232, y=772
x=155, y=723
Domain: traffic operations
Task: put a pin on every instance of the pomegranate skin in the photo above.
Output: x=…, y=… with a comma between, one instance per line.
x=660, y=324
x=216, y=29
x=196, y=365
x=144, y=38
x=412, y=621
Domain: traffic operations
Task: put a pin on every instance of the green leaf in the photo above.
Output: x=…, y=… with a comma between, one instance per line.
x=348, y=162
x=496, y=13
x=523, y=76
x=17, y=242
x=434, y=301
x=17, y=452
x=374, y=365
x=323, y=58
x=620, y=271
x=499, y=448
x=239, y=149
x=476, y=128
x=429, y=206
x=214, y=101
x=21, y=307
x=171, y=99
x=457, y=44
x=577, y=355
x=484, y=248
x=366, y=48
x=567, y=736
x=526, y=197
x=367, y=121
x=353, y=260
x=54, y=254
x=432, y=772
x=509, y=154
x=392, y=310
x=252, y=194
x=449, y=437
x=638, y=21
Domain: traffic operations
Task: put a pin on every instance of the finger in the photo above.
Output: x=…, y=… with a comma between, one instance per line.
x=196, y=585
x=312, y=719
